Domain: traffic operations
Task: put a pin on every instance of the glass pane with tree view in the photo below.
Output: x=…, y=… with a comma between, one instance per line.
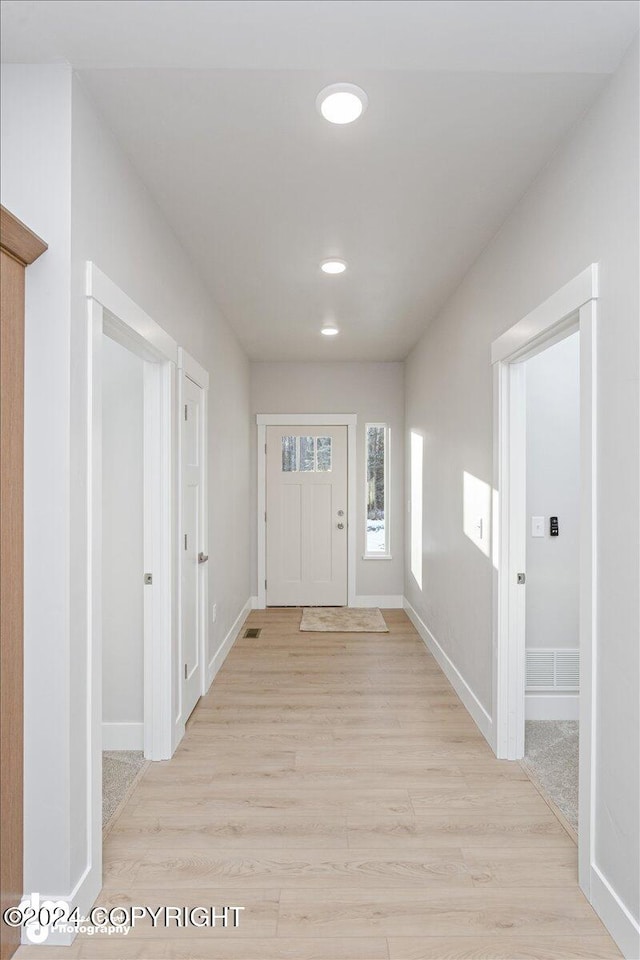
x=376, y=494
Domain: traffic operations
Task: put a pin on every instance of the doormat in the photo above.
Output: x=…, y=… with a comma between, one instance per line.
x=342, y=620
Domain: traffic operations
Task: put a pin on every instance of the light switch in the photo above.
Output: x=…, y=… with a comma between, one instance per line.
x=537, y=526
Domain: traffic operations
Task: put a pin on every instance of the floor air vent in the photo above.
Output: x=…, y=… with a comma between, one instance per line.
x=553, y=669
x=252, y=633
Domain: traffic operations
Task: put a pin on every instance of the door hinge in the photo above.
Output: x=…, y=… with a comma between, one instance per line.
x=265, y=584
x=185, y=671
x=265, y=516
x=265, y=448
x=521, y=578
x=186, y=413
x=185, y=541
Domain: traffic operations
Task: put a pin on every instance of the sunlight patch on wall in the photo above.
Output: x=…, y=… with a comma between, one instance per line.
x=417, y=445
x=476, y=512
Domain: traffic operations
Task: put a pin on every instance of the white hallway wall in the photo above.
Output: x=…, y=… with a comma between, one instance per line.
x=67, y=178
x=375, y=391
x=553, y=489
x=582, y=208
x=116, y=224
x=122, y=542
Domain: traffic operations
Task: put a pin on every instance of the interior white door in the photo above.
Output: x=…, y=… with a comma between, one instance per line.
x=306, y=523
x=193, y=557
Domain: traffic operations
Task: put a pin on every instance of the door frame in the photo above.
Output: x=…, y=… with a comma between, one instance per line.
x=110, y=311
x=570, y=309
x=189, y=367
x=348, y=420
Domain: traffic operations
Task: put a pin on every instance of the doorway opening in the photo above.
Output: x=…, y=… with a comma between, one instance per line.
x=552, y=565
x=122, y=573
x=142, y=705
x=571, y=310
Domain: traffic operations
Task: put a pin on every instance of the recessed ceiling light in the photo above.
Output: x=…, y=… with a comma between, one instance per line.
x=341, y=102
x=329, y=331
x=333, y=266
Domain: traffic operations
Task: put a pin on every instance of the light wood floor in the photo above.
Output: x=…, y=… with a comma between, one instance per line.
x=334, y=786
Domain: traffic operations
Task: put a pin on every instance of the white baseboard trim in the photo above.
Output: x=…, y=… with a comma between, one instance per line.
x=614, y=914
x=389, y=601
x=123, y=736
x=478, y=713
x=221, y=653
x=551, y=706
x=83, y=896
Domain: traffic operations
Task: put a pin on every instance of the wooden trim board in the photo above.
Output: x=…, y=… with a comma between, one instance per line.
x=20, y=246
x=18, y=240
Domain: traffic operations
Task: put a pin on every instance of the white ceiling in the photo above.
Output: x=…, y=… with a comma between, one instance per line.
x=214, y=102
x=519, y=36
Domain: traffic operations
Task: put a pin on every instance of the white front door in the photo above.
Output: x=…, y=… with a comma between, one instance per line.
x=306, y=524
x=193, y=564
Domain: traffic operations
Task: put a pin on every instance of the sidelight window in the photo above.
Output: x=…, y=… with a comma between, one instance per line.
x=377, y=541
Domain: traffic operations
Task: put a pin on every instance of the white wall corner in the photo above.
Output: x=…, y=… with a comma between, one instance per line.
x=618, y=920
x=223, y=650
x=255, y=604
x=122, y=736
x=478, y=713
x=387, y=601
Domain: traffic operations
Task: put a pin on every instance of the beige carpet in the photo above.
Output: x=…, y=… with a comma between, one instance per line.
x=342, y=620
x=120, y=772
x=551, y=754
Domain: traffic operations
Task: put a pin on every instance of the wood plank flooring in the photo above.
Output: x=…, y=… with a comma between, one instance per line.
x=334, y=786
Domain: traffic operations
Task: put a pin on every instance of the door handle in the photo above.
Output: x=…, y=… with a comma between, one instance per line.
x=341, y=526
x=203, y=557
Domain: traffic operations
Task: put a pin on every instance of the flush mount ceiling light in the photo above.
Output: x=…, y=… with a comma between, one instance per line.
x=329, y=331
x=341, y=102
x=333, y=266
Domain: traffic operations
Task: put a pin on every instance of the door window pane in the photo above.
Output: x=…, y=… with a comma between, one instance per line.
x=307, y=454
x=323, y=454
x=289, y=458
x=377, y=532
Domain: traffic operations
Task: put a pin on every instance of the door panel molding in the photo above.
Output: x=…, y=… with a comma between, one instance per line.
x=350, y=421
